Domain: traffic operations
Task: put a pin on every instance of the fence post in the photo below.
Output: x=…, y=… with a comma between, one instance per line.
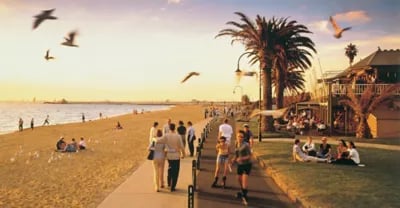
x=198, y=154
x=190, y=196
x=194, y=174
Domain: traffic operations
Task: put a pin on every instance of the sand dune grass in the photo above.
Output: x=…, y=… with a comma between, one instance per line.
x=33, y=175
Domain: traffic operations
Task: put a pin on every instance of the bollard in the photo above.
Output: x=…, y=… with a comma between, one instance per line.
x=194, y=174
x=190, y=196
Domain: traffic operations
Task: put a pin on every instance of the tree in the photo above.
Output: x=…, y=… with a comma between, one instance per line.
x=351, y=52
x=269, y=43
x=366, y=103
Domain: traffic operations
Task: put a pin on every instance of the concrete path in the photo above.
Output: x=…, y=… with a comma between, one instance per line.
x=138, y=189
x=263, y=192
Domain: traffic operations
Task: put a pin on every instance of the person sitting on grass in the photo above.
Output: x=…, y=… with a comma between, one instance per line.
x=342, y=150
x=324, y=149
x=309, y=147
x=352, y=159
x=82, y=144
x=299, y=155
x=61, y=144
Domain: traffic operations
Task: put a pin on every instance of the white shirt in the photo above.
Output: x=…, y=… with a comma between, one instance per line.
x=353, y=154
x=191, y=133
x=166, y=128
x=152, y=134
x=297, y=151
x=226, y=131
x=82, y=143
x=310, y=147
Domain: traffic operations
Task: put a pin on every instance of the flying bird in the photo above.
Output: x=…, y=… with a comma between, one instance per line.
x=46, y=14
x=69, y=41
x=190, y=75
x=337, y=28
x=47, y=56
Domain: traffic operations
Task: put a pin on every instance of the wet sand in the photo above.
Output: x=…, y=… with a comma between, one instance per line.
x=32, y=174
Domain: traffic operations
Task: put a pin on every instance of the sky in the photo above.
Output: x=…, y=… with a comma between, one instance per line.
x=140, y=50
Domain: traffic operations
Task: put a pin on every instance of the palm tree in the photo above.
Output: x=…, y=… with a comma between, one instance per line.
x=269, y=43
x=351, y=52
x=290, y=81
x=366, y=103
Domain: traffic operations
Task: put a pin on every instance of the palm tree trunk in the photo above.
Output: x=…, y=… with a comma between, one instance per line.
x=279, y=89
x=267, y=121
x=363, y=130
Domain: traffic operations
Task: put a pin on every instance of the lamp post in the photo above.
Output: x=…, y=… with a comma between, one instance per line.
x=241, y=90
x=238, y=72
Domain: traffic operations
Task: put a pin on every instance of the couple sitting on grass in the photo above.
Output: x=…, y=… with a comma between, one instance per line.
x=62, y=146
x=345, y=156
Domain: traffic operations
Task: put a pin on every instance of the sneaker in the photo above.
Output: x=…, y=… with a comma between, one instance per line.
x=361, y=165
x=244, y=200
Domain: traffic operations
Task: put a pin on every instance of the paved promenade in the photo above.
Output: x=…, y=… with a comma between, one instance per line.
x=138, y=189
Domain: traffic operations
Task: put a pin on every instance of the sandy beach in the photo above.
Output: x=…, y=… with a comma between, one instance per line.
x=32, y=174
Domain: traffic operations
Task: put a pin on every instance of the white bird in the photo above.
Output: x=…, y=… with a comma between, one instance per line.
x=47, y=56
x=69, y=41
x=274, y=113
x=190, y=75
x=337, y=28
x=46, y=14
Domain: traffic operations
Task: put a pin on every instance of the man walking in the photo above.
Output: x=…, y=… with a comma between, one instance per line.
x=175, y=151
x=182, y=132
x=226, y=131
x=191, y=138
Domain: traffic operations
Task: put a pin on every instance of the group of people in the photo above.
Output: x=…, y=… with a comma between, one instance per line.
x=32, y=124
x=73, y=146
x=346, y=153
x=169, y=143
x=242, y=156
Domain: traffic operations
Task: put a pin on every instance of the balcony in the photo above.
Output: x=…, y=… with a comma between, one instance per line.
x=358, y=89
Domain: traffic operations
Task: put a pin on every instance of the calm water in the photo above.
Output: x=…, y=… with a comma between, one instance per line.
x=60, y=114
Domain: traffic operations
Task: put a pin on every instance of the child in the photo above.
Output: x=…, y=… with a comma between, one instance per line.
x=223, y=151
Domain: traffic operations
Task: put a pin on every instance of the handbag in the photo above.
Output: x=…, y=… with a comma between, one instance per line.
x=150, y=156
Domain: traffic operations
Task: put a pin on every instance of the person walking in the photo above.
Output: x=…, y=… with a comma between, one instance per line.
x=46, y=121
x=158, y=159
x=223, y=151
x=226, y=131
x=153, y=131
x=243, y=160
x=32, y=124
x=248, y=135
x=191, y=137
x=175, y=151
x=83, y=118
x=20, y=124
x=166, y=127
x=182, y=132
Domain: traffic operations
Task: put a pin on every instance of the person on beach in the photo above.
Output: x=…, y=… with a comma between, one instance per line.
x=191, y=137
x=82, y=144
x=182, y=132
x=119, y=126
x=32, y=124
x=324, y=149
x=61, y=144
x=309, y=147
x=223, y=151
x=243, y=160
x=153, y=132
x=166, y=128
x=175, y=151
x=353, y=157
x=299, y=155
x=71, y=147
x=248, y=135
x=225, y=130
x=20, y=124
x=46, y=121
x=83, y=118
x=158, y=159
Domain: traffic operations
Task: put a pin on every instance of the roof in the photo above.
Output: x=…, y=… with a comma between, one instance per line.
x=378, y=58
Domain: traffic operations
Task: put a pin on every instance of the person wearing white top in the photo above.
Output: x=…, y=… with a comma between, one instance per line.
x=166, y=127
x=191, y=137
x=309, y=147
x=299, y=155
x=226, y=131
x=352, y=159
x=153, y=132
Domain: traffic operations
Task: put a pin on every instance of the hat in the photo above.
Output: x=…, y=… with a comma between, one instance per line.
x=246, y=125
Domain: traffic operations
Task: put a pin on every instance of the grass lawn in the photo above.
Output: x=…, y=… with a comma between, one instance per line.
x=327, y=185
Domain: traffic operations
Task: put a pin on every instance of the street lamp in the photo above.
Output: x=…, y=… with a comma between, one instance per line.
x=241, y=89
x=238, y=73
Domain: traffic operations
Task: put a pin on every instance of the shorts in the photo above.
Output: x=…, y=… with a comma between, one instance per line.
x=244, y=169
x=222, y=159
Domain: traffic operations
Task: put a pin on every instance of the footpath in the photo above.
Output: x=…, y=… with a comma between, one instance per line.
x=138, y=189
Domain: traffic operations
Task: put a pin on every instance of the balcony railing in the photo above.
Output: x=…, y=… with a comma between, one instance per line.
x=358, y=89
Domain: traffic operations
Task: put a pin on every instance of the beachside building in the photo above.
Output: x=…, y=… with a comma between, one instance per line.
x=381, y=69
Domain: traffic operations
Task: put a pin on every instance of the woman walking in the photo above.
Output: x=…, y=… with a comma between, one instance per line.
x=223, y=151
x=158, y=160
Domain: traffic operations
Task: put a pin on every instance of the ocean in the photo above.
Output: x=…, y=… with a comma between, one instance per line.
x=63, y=113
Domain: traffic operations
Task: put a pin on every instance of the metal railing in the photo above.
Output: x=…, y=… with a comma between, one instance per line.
x=358, y=89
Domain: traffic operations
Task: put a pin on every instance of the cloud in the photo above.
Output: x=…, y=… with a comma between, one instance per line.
x=174, y=1
x=353, y=16
x=321, y=26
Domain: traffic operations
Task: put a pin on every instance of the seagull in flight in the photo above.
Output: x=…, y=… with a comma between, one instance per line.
x=190, y=75
x=46, y=14
x=47, y=56
x=69, y=41
x=337, y=28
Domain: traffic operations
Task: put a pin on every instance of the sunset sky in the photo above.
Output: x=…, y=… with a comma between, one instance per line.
x=140, y=50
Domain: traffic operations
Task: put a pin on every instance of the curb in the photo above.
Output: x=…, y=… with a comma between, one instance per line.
x=291, y=193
